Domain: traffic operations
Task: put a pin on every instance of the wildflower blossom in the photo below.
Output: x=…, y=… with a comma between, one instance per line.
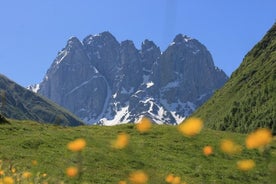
x=8, y=180
x=13, y=170
x=138, y=177
x=191, y=126
x=229, y=147
x=169, y=178
x=144, y=125
x=173, y=179
x=259, y=138
x=44, y=175
x=26, y=175
x=207, y=150
x=2, y=172
x=76, y=145
x=245, y=165
x=121, y=141
x=176, y=180
x=34, y=162
x=72, y=172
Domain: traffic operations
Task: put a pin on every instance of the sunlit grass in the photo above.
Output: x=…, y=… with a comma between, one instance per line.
x=36, y=153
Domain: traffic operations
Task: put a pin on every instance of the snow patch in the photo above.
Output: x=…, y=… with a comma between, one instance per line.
x=179, y=110
x=95, y=69
x=187, y=39
x=120, y=118
x=179, y=119
x=173, y=43
x=34, y=88
x=62, y=54
x=149, y=84
x=114, y=95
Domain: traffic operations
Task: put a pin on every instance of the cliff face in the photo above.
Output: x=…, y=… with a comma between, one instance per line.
x=106, y=82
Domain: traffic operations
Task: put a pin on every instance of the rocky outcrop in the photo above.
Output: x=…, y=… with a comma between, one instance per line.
x=106, y=82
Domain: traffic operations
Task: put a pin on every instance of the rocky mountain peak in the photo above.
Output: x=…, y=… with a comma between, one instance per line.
x=128, y=44
x=180, y=38
x=103, y=39
x=147, y=43
x=73, y=43
x=117, y=83
x=73, y=40
x=149, y=54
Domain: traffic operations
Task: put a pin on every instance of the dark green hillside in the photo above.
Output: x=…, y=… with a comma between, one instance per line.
x=20, y=103
x=248, y=99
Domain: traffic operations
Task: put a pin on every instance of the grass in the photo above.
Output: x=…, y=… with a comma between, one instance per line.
x=160, y=151
x=248, y=100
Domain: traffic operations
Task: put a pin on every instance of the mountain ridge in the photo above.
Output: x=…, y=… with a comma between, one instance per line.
x=20, y=103
x=248, y=100
x=117, y=83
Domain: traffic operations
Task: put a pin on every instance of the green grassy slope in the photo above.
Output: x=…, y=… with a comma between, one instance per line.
x=160, y=151
x=20, y=103
x=248, y=99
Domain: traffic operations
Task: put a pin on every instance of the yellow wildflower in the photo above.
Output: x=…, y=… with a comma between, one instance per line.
x=245, y=165
x=8, y=180
x=176, y=180
x=191, y=126
x=229, y=147
x=76, y=145
x=144, y=125
x=259, y=138
x=13, y=170
x=169, y=178
x=138, y=177
x=34, y=162
x=207, y=150
x=121, y=141
x=44, y=175
x=2, y=172
x=72, y=172
x=26, y=175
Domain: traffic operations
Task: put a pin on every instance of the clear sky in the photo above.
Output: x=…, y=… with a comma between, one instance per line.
x=33, y=31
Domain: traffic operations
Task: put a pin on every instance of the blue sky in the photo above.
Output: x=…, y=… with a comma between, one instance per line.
x=33, y=31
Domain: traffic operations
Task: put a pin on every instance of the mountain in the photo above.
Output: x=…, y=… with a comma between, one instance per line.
x=106, y=82
x=248, y=99
x=20, y=103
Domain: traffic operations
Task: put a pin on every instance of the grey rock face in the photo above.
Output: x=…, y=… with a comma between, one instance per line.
x=71, y=77
x=106, y=82
x=103, y=51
